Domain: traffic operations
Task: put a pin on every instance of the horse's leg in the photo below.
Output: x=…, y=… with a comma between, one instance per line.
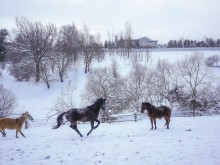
x=155, y=125
x=165, y=117
x=16, y=133
x=92, y=127
x=151, y=120
x=2, y=133
x=97, y=124
x=21, y=133
x=74, y=126
x=168, y=121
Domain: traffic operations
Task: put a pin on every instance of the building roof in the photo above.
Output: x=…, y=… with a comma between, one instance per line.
x=146, y=39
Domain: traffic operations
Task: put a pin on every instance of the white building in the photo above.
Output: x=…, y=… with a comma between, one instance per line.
x=145, y=42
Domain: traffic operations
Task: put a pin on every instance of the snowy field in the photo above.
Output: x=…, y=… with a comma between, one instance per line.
x=127, y=143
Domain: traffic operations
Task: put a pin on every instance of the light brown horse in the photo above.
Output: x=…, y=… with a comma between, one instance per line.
x=10, y=123
x=156, y=112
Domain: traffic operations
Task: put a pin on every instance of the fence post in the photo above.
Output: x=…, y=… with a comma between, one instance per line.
x=135, y=116
x=26, y=124
x=109, y=116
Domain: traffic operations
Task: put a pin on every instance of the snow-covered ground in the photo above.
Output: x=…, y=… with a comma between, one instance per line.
x=127, y=143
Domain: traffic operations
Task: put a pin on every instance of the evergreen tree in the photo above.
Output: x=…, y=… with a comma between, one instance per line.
x=180, y=44
x=170, y=44
x=174, y=44
x=218, y=43
x=106, y=44
x=3, y=34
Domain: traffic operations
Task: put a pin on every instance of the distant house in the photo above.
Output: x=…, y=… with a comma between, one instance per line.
x=143, y=42
x=146, y=42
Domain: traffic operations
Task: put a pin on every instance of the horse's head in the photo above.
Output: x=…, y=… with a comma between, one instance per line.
x=27, y=116
x=103, y=105
x=144, y=106
x=101, y=102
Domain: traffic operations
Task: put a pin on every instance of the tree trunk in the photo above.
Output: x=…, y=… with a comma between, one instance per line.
x=37, y=74
x=86, y=67
x=48, y=85
x=61, y=77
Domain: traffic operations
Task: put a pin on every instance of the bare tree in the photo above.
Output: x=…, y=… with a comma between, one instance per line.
x=138, y=84
x=148, y=54
x=212, y=61
x=128, y=37
x=90, y=47
x=194, y=74
x=101, y=83
x=115, y=68
x=36, y=40
x=164, y=81
x=64, y=102
x=21, y=67
x=46, y=75
x=61, y=63
x=7, y=101
x=69, y=41
x=66, y=49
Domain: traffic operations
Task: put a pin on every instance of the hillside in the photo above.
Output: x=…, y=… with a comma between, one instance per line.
x=37, y=99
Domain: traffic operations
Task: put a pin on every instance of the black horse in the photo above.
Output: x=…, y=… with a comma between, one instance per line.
x=90, y=113
x=156, y=112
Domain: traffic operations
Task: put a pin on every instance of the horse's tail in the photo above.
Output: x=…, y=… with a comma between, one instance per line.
x=59, y=120
x=168, y=110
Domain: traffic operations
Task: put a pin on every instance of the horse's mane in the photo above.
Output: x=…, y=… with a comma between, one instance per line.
x=94, y=103
x=150, y=106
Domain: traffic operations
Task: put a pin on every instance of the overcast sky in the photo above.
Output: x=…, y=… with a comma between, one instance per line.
x=157, y=19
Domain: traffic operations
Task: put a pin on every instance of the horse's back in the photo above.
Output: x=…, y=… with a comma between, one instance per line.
x=80, y=114
x=8, y=123
x=159, y=112
x=166, y=109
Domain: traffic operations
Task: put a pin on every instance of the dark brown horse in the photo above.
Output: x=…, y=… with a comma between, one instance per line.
x=156, y=112
x=10, y=123
x=89, y=113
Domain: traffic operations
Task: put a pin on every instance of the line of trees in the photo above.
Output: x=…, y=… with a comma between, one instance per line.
x=186, y=43
x=3, y=35
x=186, y=84
x=43, y=52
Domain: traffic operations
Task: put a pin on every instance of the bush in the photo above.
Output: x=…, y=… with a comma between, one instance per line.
x=22, y=71
x=7, y=101
x=212, y=61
